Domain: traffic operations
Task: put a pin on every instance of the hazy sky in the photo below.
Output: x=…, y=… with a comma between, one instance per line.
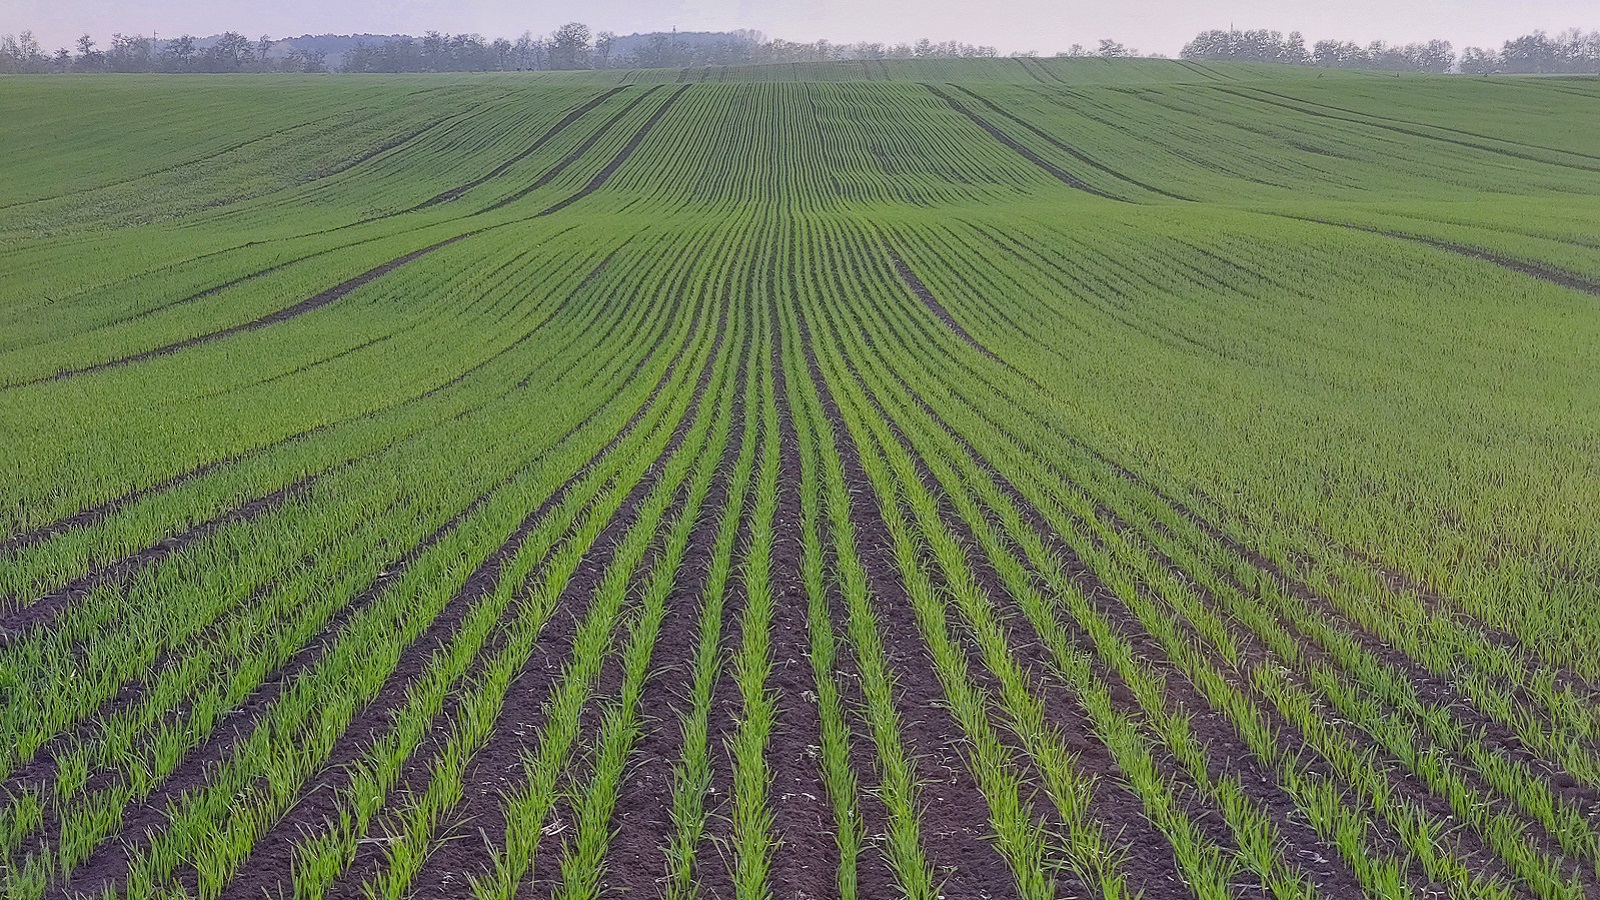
x=1152, y=26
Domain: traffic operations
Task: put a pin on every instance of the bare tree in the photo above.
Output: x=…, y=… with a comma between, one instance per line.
x=89, y=59
x=178, y=55
x=570, y=46
x=1110, y=49
x=22, y=54
x=1478, y=61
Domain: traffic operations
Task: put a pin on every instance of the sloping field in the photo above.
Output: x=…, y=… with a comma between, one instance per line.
x=1010, y=479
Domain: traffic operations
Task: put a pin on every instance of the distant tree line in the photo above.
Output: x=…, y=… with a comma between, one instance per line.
x=575, y=46
x=572, y=46
x=228, y=52
x=1570, y=52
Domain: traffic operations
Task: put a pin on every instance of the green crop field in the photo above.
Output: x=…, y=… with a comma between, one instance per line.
x=970, y=479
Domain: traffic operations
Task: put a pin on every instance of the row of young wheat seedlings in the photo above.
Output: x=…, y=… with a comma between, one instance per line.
x=72, y=698
x=524, y=437
x=528, y=805
x=43, y=567
x=1441, y=656
x=1256, y=834
x=140, y=745
x=423, y=817
x=1496, y=828
x=232, y=835
x=751, y=839
x=895, y=768
x=594, y=637
x=1233, y=708
x=98, y=809
x=1445, y=646
x=1373, y=876
x=583, y=860
x=1091, y=856
x=959, y=455
x=322, y=857
x=840, y=780
x=1378, y=685
x=120, y=731
x=1442, y=643
x=1020, y=836
x=692, y=772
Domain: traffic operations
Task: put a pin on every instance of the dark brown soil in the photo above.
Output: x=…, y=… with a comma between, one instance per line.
x=955, y=821
x=806, y=862
x=637, y=859
x=271, y=858
x=1224, y=749
x=498, y=767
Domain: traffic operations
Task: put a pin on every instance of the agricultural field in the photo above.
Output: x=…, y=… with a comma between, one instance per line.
x=991, y=479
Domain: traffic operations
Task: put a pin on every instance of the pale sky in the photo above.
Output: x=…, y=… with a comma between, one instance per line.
x=1152, y=26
